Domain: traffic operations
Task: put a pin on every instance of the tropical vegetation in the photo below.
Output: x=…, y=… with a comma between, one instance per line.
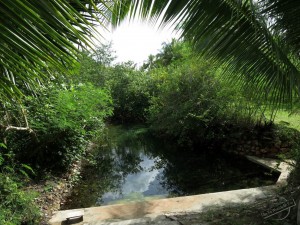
x=40, y=44
x=236, y=58
x=40, y=39
x=257, y=42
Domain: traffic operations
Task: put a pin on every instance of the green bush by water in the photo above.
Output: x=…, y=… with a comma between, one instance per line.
x=16, y=205
x=192, y=104
x=62, y=120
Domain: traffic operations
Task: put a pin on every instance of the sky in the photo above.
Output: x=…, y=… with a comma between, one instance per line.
x=142, y=184
x=136, y=40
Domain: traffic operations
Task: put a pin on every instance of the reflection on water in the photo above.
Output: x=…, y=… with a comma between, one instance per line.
x=131, y=167
x=137, y=185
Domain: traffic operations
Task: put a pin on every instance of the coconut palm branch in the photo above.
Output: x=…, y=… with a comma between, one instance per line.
x=286, y=15
x=256, y=42
x=38, y=37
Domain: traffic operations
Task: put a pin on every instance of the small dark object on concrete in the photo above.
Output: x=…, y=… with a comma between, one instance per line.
x=74, y=217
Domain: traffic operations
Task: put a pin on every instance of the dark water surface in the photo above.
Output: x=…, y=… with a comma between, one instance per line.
x=131, y=167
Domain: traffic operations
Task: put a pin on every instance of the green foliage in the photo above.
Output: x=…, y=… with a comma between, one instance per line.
x=191, y=103
x=16, y=205
x=38, y=38
x=62, y=119
x=175, y=91
x=169, y=54
x=129, y=87
x=130, y=92
x=187, y=102
x=83, y=107
x=94, y=67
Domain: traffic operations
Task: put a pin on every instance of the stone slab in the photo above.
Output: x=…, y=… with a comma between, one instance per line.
x=195, y=203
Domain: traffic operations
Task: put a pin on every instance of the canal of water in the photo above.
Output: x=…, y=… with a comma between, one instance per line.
x=130, y=166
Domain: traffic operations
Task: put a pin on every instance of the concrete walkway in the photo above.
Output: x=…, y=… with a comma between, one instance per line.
x=157, y=211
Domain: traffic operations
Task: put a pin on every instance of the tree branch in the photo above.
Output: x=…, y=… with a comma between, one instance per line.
x=8, y=127
x=18, y=128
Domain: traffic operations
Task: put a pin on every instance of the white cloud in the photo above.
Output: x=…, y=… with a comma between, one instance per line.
x=135, y=182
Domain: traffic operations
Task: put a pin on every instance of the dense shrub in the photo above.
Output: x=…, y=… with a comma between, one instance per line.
x=16, y=205
x=61, y=120
x=184, y=102
x=130, y=91
x=127, y=85
x=191, y=104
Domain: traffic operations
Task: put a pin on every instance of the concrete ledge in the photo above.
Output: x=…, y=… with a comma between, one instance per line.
x=284, y=168
x=195, y=203
x=115, y=214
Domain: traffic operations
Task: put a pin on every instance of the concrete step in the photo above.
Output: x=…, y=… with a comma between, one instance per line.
x=195, y=203
x=155, y=211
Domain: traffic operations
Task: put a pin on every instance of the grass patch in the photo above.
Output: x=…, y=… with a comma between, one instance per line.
x=290, y=120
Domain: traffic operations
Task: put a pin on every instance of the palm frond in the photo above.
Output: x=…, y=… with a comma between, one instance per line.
x=39, y=36
x=239, y=35
x=286, y=20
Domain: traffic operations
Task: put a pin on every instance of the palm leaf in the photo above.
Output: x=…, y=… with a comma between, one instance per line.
x=285, y=13
x=38, y=37
x=239, y=36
